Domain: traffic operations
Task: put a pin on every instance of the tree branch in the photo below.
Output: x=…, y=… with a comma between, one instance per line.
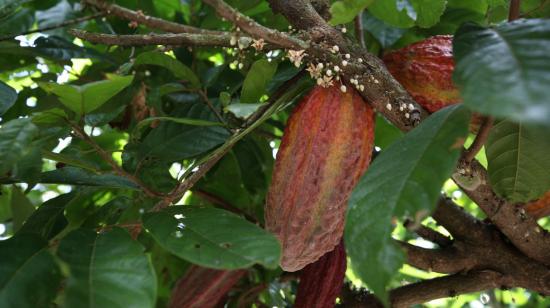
x=179, y=39
x=253, y=28
x=480, y=140
x=149, y=21
x=80, y=133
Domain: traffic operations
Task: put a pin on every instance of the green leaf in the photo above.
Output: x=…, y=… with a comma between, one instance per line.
x=405, y=179
x=479, y=6
x=29, y=166
x=386, y=34
x=255, y=83
x=429, y=11
x=213, y=238
x=344, y=11
x=503, y=71
x=58, y=48
x=8, y=96
x=76, y=176
x=173, y=141
x=21, y=208
x=50, y=117
x=86, y=98
x=387, y=11
x=29, y=276
x=15, y=138
x=188, y=121
x=107, y=270
x=180, y=70
x=519, y=163
x=243, y=110
x=69, y=160
x=49, y=219
x=404, y=14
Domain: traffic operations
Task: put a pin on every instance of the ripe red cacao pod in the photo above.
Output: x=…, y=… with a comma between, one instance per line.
x=321, y=281
x=539, y=208
x=326, y=147
x=425, y=69
x=202, y=287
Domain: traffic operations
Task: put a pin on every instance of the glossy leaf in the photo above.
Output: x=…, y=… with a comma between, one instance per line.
x=29, y=276
x=503, y=71
x=49, y=219
x=407, y=13
x=344, y=11
x=519, y=161
x=8, y=96
x=405, y=179
x=15, y=138
x=87, y=98
x=21, y=207
x=233, y=243
x=76, y=176
x=255, y=83
x=107, y=270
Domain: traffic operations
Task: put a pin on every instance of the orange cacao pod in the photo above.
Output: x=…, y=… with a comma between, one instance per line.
x=539, y=208
x=321, y=281
x=425, y=69
x=203, y=287
x=326, y=147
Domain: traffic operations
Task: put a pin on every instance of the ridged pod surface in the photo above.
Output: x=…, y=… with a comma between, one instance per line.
x=425, y=69
x=321, y=282
x=203, y=287
x=539, y=208
x=326, y=147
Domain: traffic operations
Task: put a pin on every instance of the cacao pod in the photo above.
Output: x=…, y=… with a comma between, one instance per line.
x=321, y=281
x=425, y=69
x=326, y=147
x=539, y=208
x=202, y=287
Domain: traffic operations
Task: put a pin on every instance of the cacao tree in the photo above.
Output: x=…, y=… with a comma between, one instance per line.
x=274, y=153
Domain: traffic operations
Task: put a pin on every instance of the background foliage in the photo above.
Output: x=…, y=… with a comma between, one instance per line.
x=159, y=111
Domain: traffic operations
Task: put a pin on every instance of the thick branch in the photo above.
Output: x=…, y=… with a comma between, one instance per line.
x=521, y=229
x=446, y=261
x=149, y=21
x=447, y=286
x=253, y=28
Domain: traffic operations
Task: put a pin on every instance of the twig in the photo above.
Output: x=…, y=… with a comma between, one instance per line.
x=514, y=12
x=207, y=101
x=253, y=28
x=429, y=234
x=80, y=133
x=149, y=21
x=61, y=25
x=359, y=34
x=480, y=140
x=179, y=39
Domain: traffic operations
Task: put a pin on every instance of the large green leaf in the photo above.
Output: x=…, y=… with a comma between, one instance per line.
x=49, y=219
x=107, y=270
x=21, y=208
x=29, y=276
x=344, y=11
x=15, y=138
x=177, y=68
x=213, y=238
x=504, y=71
x=8, y=96
x=77, y=176
x=405, y=179
x=87, y=98
x=405, y=13
x=519, y=161
x=255, y=83
x=173, y=141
